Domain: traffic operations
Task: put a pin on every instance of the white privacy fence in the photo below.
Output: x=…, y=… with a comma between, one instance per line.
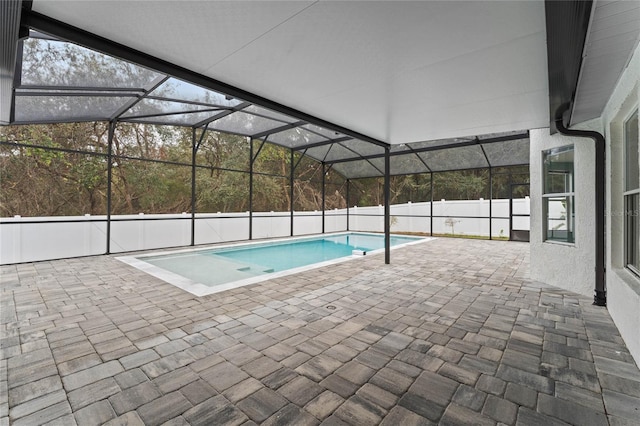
x=42, y=238
x=465, y=217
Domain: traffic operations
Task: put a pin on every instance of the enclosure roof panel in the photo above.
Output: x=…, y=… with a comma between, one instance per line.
x=508, y=153
x=465, y=157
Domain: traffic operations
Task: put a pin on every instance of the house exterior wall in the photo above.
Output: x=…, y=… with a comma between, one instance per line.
x=560, y=264
x=572, y=266
x=623, y=287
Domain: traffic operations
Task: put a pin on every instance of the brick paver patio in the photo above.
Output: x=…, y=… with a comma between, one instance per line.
x=452, y=332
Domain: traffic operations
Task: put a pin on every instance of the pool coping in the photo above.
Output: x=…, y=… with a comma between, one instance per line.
x=199, y=289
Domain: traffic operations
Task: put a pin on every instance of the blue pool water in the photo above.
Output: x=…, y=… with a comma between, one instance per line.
x=283, y=256
x=214, y=267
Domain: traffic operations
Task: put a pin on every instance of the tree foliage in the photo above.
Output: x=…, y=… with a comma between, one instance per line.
x=62, y=169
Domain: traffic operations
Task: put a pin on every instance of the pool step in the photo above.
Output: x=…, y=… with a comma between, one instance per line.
x=248, y=269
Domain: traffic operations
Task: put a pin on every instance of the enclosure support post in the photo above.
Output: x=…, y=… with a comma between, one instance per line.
x=510, y=205
x=250, y=188
x=112, y=129
x=193, y=186
x=293, y=168
x=324, y=172
x=431, y=208
x=387, y=210
x=490, y=202
x=194, y=151
x=348, y=185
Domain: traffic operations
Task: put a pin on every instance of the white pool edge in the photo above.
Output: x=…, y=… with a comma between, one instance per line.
x=198, y=289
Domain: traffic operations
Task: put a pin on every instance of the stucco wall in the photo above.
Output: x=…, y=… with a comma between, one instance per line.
x=569, y=266
x=623, y=288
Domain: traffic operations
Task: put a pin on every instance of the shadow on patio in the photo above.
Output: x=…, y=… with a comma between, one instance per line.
x=452, y=332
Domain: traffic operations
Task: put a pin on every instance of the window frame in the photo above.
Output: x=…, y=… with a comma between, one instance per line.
x=631, y=219
x=568, y=195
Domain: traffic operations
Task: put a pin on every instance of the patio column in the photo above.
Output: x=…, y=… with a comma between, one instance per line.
x=387, y=210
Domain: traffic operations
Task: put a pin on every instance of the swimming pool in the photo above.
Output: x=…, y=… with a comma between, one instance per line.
x=207, y=271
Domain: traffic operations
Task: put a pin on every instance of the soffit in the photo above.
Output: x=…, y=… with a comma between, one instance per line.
x=612, y=38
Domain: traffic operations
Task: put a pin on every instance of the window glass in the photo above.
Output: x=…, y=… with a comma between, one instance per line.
x=632, y=179
x=560, y=219
x=632, y=194
x=559, y=198
x=558, y=171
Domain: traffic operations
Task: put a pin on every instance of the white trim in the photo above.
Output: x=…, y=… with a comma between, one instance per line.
x=561, y=243
x=629, y=241
x=633, y=110
x=559, y=194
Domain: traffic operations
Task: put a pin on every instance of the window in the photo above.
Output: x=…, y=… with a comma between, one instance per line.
x=632, y=194
x=558, y=199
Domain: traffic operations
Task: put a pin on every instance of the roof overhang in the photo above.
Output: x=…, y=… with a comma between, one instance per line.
x=613, y=36
x=589, y=44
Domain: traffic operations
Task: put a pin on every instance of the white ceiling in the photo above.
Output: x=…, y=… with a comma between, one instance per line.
x=397, y=71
